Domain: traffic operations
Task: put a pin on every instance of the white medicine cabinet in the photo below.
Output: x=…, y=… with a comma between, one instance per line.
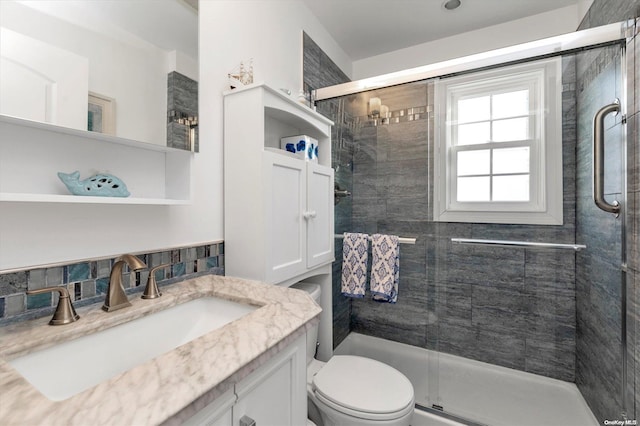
x=278, y=206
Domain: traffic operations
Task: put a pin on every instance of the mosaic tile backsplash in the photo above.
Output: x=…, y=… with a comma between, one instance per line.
x=87, y=281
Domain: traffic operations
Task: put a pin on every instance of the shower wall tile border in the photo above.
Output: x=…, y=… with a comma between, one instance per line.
x=88, y=280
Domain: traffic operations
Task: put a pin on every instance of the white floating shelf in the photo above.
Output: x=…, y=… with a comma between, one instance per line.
x=53, y=198
x=84, y=134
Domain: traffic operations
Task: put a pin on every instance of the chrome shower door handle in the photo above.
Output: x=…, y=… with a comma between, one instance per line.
x=598, y=158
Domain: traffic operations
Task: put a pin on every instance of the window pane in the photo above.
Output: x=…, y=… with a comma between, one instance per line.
x=474, y=162
x=511, y=160
x=511, y=188
x=473, y=134
x=514, y=129
x=511, y=104
x=473, y=189
x=474, y=109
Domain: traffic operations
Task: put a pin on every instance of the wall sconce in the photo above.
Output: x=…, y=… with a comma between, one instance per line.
x=378, y=111
x=374, y=107
x=384, y=114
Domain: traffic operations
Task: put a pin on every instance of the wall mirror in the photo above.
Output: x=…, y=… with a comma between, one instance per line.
x=125, y=68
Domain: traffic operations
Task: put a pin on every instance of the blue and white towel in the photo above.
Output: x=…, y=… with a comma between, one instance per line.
x=385, y=268
x=354, y=264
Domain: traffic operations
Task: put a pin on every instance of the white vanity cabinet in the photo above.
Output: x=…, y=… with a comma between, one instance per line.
x=274, y=394
x=278, y=207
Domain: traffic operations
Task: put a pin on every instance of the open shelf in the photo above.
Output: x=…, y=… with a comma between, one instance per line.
x=54, y=198
x=32, y=153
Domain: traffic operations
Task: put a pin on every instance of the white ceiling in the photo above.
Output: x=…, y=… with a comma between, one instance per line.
x=365, y=28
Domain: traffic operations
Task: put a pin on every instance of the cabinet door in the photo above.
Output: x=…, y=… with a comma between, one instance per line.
x=275, y=394
x=218, y=413
x=284, y=183
x=319, y=215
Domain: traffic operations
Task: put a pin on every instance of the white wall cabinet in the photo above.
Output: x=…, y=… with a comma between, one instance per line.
x=274, y=394
x=278, y=207
x=299, y=219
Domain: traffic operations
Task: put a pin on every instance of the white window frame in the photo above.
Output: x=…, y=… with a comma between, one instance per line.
x=544, y=80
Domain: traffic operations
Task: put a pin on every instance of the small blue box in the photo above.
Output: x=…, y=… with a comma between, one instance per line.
x=303, y=146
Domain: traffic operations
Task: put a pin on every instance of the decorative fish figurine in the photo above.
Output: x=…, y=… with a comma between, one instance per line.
x=101, y=185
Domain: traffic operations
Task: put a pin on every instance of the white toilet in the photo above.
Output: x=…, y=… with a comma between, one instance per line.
x=352, y=390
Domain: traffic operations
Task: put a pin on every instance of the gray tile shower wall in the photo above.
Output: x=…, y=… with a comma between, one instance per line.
x=87, y=281
x=182, y=109
x=320, y=71
x=511, y=307
x=603, y=12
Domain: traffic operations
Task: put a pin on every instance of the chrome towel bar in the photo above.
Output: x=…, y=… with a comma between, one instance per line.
x=522, y=244
x=401, y=240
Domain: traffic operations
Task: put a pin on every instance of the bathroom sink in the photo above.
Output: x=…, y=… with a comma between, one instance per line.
x=61, y=371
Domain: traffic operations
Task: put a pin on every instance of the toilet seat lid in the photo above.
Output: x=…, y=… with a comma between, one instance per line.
x=363, y=385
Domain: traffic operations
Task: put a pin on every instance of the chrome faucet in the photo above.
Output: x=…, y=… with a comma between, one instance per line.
x=116, y=297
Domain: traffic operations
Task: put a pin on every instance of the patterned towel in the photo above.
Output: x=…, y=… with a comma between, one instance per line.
x=385, y=268
x=354, y=264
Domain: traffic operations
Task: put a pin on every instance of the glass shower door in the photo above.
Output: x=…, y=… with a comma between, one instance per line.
x=553, y=312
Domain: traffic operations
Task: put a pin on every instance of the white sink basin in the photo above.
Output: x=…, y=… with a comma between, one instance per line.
x=61, y=371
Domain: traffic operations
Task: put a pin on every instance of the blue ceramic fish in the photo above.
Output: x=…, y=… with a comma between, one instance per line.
x=101, y=185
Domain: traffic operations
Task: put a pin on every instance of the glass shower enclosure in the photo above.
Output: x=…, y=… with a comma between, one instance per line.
x=433, y=157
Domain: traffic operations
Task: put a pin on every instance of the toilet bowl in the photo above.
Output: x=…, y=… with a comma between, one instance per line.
x=353, y=390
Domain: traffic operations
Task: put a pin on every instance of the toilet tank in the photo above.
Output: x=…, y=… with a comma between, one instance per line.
x=312, y=334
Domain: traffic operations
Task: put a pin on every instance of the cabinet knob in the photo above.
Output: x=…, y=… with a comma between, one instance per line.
x=310, y=214
x=247, y=421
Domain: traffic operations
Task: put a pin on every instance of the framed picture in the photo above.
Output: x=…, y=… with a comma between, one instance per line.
x=101, y=114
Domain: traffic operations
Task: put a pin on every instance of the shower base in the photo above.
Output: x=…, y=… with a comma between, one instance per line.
x=483, y=393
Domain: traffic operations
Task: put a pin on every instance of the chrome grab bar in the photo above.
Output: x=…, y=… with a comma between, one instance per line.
x=598, y=158
x=401, y=240
x=523, y=244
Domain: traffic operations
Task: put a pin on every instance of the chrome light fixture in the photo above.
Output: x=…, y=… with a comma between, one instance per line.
x=378, y=112
x=451, y=4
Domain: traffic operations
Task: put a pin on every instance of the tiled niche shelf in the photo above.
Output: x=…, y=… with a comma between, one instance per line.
x=32, y=153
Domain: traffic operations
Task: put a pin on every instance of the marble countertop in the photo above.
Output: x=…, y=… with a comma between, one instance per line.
x=165, y=388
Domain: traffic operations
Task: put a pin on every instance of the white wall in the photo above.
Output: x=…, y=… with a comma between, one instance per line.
x=535, y=27
x=230, y=31
x=270, y=32
x=184, y=64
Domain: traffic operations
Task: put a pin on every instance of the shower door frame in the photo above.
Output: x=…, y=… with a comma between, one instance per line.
x=553, y=46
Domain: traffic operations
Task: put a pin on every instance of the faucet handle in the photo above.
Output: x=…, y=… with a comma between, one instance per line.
x=65, y=313
x=151, y=290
